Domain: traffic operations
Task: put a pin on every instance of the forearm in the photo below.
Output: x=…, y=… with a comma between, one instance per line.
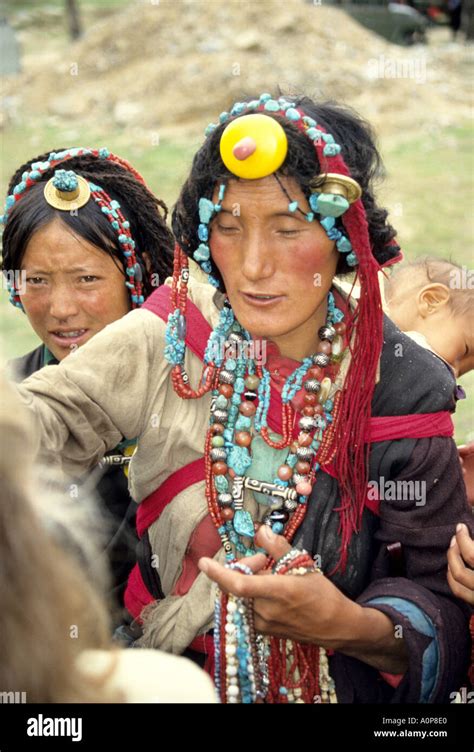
x=372, y=638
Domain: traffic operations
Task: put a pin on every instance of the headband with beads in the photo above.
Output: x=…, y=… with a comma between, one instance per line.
x=68, y=191
x=253, y=146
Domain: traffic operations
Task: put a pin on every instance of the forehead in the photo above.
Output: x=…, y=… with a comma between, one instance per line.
x=265, y=194
x=56, y=244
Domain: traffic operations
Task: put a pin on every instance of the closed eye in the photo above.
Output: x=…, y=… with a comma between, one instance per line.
x=227, y=228
x=288, y=233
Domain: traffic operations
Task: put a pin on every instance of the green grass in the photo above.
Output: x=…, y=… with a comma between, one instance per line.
x=429, y=187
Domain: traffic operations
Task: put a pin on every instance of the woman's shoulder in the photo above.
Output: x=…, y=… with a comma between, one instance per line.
x=413, y=379
x=20, y=368
x=143, y=675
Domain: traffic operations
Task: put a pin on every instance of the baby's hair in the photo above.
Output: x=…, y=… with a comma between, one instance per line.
x=435, y=270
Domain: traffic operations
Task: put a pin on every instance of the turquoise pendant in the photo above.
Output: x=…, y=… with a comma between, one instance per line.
x=243, y=523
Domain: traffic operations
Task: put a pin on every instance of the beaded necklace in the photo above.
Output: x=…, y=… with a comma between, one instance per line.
x=229, y=439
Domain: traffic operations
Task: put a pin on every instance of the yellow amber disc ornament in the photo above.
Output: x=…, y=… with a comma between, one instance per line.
x=253, y=146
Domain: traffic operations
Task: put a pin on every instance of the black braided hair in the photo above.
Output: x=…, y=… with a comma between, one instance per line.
x=358, y=148
x=146, y=214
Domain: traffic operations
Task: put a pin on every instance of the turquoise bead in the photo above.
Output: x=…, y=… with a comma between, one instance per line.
x=239, y=459
x=221, y=483
x=206, y=210
x=202, y=253
x=272, y=106
x=331, y=150
x=221, y=401
x=293, y=114
x=344, y=244
x=239, y=385
x=351, y=259
x=332, y=205
x=243, y=523
x=313, y=202
x=243, y=423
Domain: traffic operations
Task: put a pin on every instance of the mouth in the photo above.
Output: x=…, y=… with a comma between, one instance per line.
x=258, y=299
x=66, y=338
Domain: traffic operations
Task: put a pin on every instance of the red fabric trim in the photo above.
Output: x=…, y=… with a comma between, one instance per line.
x=136, y=595
x=204, y=541
x=198, y=329
x=205, y=644
x=415, y=426
x=150, y=508
x=392, y=679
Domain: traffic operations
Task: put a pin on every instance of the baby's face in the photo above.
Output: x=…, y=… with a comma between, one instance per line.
x=452, y=337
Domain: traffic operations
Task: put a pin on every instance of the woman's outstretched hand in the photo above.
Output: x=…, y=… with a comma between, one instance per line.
x=309, y=608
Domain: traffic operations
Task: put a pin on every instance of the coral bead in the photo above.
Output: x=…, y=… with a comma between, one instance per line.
x=318, y=409
x=247, y=408
x=303, y=468
x=218, y=428
x=310, y=399
x=227, y=514
x=285, y=472
x=340, y=327
x=303, y=488
x=308, y=410
x=219, y=468
x=243, y=438
x=227, y=390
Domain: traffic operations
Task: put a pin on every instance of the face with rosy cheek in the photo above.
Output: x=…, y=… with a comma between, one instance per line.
x=276, y=266
x=73, y=288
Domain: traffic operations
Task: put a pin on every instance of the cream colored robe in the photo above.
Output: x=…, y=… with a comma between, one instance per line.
x=117, y=385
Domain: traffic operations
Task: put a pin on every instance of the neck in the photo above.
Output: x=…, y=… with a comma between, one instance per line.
x=303, y=341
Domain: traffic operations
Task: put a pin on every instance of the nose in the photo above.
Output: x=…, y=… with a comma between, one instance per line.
x=62, y=303
x=257, y=260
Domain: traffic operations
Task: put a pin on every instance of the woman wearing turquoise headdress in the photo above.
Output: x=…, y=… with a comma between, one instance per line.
x=271, y=409
x=84, y=241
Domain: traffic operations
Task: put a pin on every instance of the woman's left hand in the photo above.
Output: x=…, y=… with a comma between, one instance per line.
x=306, y=608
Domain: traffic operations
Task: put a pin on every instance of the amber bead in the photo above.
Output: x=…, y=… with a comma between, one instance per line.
x=308, y=410
x=310, y=399
x=243, y=438
x=340, y=327
x=227, y=514
x=247, y=408
x=218, y=429
x=226, y=389
x=219, y=468
x=285, y=472
x=304, y=439
x=302, y=468
x=252, y=382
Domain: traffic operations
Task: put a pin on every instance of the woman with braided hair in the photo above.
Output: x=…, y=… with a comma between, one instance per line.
x=84, y=241
x=272, y=411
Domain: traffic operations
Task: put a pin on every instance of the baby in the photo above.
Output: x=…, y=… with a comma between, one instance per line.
x=432, y=300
